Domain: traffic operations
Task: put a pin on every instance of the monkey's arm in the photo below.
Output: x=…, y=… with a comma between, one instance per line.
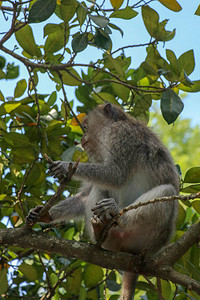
x=70, y=208
x=107, y=174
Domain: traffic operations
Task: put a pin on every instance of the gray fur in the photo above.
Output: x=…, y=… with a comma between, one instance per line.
x=128, y=164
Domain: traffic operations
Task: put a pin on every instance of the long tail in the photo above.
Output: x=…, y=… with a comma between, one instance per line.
x=128, y=286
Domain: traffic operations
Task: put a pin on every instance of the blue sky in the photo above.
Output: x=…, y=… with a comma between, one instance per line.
x=187, y=37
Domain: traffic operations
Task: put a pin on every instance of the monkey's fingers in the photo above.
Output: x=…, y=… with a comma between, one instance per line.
x=32, y=217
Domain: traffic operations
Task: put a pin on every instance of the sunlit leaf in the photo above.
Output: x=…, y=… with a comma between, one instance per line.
x=92, y=275
x=116, y=4
x=192, y=175
x=196, y=205
x=41, y=10
x=126, y=13
x=57, y=39
x=20, y=88
x=171, y=4
x=25, y=38
x=171, y=105
x=102, y=97
x=11, y=106
x=192, y=88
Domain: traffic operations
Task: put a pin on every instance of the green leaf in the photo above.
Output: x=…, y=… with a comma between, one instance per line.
x=194, y=188
x=73, y=283
x=171, y=4
x=3, y=126
x=102, y=39
x=52, y=98
x=69, y=76
x=12, y=71
x=192, y=175
x=121, y=91
x=2, y=62
x=81, y=13
x=28, y=271
x=57, y=39
x=142, y=103
x=192, y=88
x=20, y=88
x=26, y=40
x=66, y=10
x=126, y=13
x=113, y=26
x=155, y=28
x=92, y=275
x=99, y=20
x=197, y=12
x=4, y=281
x=79, y=42
x=11, y=106
x=174, y=64
x=41, y=10
x=196, y=205
x=186, y=62
x=171, y=105
x=17, y=140
x=103, y=97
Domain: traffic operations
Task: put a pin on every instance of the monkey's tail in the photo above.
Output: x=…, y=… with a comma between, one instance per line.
x=128, y=286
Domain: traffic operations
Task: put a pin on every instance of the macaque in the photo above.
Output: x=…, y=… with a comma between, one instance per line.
x=128, y=165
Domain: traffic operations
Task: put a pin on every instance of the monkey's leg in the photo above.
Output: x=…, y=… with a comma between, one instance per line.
x=128, y=286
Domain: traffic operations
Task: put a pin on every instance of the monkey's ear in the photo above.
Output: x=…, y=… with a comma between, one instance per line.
x=108, y=110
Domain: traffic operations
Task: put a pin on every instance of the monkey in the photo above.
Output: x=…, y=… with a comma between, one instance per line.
x=128, y=165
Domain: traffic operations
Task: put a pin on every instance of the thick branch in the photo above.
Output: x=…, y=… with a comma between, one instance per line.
x=90, y=253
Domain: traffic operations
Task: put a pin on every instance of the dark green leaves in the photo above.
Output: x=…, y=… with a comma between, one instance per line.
x=155, y=28
x=41, y=10
x=79, y=42
x=102, y=39
x=171, y=105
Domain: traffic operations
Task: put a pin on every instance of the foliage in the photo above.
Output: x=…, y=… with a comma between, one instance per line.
x=33, y=124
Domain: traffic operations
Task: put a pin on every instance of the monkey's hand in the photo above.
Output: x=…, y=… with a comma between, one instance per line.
x=33, y=216
x=58, y=168
x=106, y=209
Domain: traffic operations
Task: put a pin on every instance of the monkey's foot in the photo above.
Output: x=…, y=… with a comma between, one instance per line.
x=99, y=225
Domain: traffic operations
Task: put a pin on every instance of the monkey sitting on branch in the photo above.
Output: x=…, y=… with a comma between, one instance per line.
x=128, y=164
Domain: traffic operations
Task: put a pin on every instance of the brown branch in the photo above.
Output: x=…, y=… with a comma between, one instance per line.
x=133, y=46
x=104, y=258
